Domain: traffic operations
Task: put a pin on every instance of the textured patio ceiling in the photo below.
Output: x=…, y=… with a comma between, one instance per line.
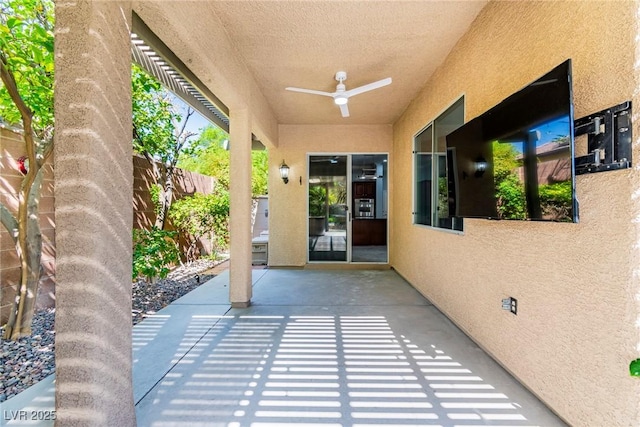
x=304, y=43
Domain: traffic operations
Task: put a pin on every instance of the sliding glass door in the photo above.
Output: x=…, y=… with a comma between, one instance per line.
x=348, y=208
x=328, y=208
x=369, y=184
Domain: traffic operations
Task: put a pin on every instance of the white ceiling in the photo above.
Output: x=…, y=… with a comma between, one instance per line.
x=304, y=43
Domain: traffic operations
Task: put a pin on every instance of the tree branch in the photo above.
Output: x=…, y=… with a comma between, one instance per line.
x=25, y=112
x=190, y=112
x=10, y=223
x=12, y=87
x=42, y=17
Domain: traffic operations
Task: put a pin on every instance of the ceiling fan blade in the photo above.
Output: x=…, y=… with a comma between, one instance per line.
x=367, y=88
x=344, y=110
x=311, y=91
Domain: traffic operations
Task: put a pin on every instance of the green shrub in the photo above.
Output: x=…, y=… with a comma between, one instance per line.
x=203, y=215
x=154, y=251
x=317, y=200
x=556, y=200
x=512, y=202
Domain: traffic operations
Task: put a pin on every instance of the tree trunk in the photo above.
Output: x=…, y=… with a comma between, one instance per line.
x=29, y=248
x=166, y=198
x=25, y=229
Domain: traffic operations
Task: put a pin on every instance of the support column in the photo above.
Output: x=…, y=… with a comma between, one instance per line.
x=240, y=282
x=94, y=214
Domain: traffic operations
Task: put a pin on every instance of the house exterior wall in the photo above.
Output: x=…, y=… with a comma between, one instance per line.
x=577, y=284
x=288, y=210
x=11, y=148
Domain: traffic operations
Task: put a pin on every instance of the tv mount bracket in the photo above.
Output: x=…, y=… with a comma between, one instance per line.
x=608, y=138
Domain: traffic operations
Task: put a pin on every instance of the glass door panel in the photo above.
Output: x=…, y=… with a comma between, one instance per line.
x=369, y=174
x=328, y=208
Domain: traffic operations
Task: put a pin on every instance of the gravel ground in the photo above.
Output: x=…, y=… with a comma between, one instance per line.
x=31, y=359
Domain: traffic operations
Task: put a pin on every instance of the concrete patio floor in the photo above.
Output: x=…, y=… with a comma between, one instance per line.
x=317, y=348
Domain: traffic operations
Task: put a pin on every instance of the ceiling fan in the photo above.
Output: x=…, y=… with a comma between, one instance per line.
x=341, y=95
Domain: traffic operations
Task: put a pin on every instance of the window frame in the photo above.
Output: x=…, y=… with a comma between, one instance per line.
x=434, y=153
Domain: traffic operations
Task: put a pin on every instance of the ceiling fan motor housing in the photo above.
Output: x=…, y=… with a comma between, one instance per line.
x=341, y=95
x=338, y=96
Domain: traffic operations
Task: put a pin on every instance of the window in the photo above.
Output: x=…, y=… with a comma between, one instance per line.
x=431, y=185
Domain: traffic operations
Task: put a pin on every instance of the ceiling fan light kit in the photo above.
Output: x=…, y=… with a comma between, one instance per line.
x=341, y=95
x=340, y=100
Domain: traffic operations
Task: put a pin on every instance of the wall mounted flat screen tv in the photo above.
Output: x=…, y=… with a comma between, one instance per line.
x=515, y=161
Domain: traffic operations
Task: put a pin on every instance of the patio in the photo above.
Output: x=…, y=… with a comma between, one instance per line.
x=575, y=284
x=317, y=348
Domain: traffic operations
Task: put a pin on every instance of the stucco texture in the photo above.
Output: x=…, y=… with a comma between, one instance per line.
x=287, y=218
x=94, y=214
x=577, y=324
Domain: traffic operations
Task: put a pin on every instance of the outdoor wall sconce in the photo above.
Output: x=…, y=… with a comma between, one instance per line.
x=284, y=172
x=481, y=166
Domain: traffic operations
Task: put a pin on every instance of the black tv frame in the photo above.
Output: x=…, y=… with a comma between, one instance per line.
x=609, y=147
x=511, y=124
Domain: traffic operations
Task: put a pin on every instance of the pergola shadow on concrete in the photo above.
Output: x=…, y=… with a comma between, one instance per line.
x=316, y=348
x=323, y=348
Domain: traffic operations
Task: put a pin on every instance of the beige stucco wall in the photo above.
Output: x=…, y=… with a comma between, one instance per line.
x=577, y=326
x=288, y=216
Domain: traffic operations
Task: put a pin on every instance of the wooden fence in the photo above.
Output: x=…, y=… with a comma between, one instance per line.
x=11, y=149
